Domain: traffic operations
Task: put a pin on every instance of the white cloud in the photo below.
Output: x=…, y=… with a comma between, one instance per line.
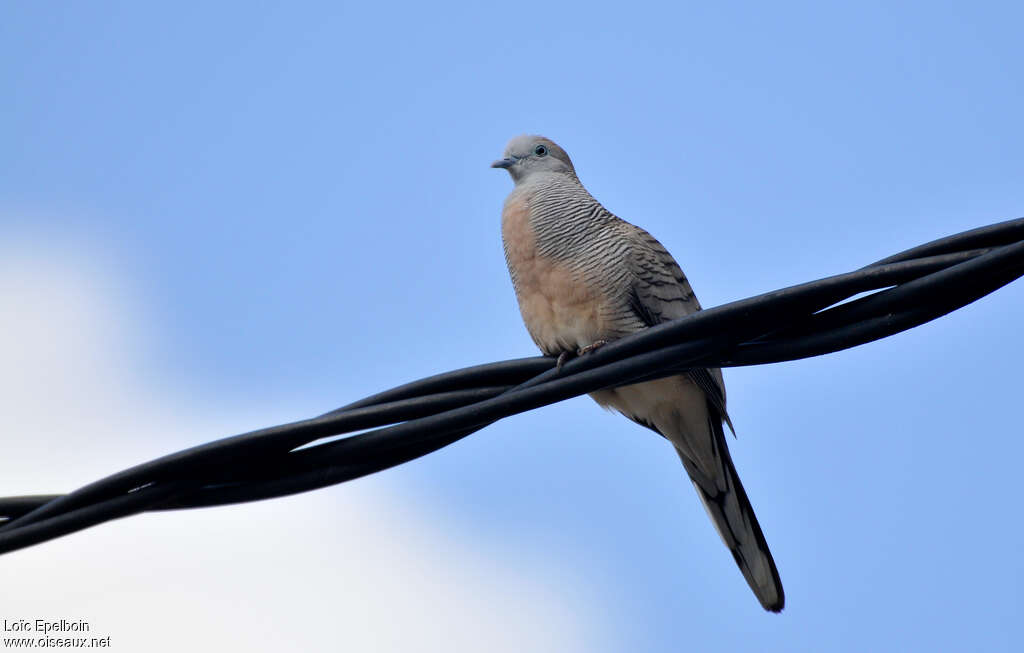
x=360, y=567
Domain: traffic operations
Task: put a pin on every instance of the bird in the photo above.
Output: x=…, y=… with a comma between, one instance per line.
x=584, y=277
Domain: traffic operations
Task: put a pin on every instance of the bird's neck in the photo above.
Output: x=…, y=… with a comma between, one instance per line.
x=555, y=196
x=562, y=213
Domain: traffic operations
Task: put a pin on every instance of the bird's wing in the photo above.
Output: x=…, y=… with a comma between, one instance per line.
x=661, y=292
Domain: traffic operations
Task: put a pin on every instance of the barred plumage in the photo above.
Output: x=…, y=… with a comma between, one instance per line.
x=582, y=277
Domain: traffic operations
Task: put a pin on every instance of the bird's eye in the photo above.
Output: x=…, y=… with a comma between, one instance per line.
x=540, y=150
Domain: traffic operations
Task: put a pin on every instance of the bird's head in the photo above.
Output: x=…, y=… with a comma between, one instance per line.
x=528, y=155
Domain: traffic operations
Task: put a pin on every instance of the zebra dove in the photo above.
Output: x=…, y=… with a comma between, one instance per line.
x=584, y=277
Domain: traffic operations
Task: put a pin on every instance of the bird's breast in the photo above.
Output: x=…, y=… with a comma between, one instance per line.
x=562, y=311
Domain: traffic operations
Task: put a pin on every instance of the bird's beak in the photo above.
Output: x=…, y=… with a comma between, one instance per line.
x=504, y=163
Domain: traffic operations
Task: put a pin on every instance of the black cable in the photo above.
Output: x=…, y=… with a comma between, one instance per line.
x=810, y=319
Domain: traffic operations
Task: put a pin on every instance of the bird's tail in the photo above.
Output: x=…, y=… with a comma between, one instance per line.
x=729, y=508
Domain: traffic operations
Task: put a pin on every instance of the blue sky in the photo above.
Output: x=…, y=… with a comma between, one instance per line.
x=262, y=212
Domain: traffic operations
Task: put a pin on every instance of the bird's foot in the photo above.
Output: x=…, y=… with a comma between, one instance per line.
x=597, y=344
x=564, y=356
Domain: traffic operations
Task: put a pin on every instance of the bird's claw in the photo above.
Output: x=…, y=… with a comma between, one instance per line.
x=597, y=344
x=564, y=356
